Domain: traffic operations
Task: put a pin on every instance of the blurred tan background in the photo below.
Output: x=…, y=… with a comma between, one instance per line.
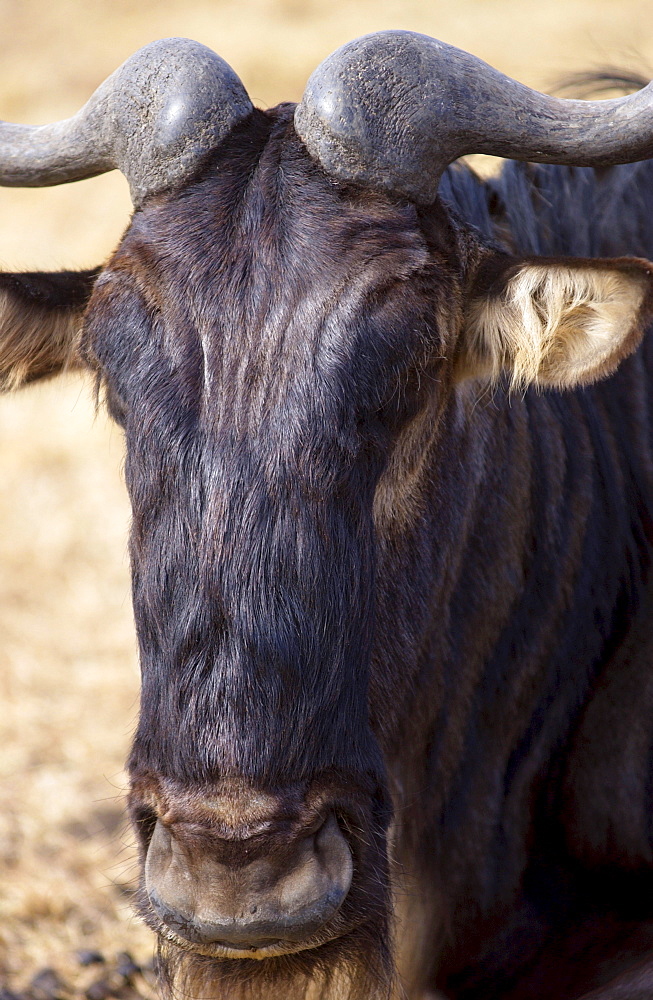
x=68, y=671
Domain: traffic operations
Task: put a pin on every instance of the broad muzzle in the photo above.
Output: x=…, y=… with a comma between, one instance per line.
x=267, y=893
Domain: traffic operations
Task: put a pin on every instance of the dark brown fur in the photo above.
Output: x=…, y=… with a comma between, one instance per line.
x=423, y=603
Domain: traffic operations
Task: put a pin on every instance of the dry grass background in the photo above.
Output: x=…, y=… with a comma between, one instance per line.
x=68, y=670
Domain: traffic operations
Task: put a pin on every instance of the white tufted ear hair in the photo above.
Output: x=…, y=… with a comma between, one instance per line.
x=554, y=322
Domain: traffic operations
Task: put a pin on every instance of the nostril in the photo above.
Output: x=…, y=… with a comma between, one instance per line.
x=144, y=821
x=334, y=853
x=283, y=897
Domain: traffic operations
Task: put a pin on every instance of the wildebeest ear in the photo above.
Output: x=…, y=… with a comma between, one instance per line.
x=40, y=323
x=554, y=322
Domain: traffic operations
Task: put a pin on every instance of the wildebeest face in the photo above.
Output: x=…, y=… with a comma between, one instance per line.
x=262, y=338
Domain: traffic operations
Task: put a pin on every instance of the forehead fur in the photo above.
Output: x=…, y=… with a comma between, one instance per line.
x=265, y=276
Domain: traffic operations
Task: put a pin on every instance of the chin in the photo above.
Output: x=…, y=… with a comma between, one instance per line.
x=356, y=966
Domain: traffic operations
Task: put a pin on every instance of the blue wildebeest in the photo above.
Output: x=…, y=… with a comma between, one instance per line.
x=391, y=543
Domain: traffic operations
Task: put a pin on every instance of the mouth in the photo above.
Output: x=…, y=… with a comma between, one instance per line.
x=329, y=934
x=273, y=949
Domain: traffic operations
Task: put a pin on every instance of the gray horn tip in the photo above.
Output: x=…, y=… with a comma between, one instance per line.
x=391, y=110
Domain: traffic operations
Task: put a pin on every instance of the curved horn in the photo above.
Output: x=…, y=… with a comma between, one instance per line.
x=393, y=109
x=153, y=119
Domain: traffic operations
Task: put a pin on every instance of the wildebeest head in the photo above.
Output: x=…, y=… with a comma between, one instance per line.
x=279, y=333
